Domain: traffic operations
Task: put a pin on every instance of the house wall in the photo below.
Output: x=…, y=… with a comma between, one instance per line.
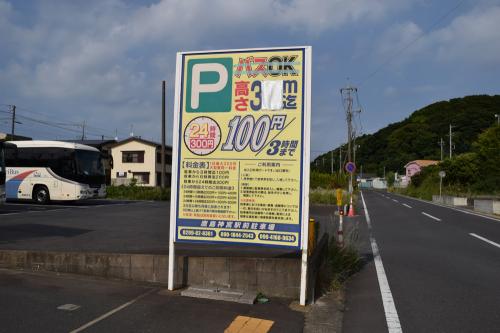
x=412, y=169
x=149, y=164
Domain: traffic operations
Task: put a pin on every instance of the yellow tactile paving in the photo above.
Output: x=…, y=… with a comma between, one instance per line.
x=243, y=324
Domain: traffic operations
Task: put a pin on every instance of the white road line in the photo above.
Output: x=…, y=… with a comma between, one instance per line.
x=391, y=314
x=452, y=208
x=485, y=240
x=395, y=200
x=432, y=217
x=406, y=205
x=110, y=313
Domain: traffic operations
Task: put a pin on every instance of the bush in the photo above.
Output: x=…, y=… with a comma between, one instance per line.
x=138, y=193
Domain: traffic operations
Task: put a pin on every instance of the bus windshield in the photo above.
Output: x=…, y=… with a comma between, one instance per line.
x=89, y=163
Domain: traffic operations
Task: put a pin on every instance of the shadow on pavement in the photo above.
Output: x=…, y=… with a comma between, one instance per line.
x=12, y=233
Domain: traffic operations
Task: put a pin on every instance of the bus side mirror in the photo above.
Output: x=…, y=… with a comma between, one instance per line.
x=108, y=157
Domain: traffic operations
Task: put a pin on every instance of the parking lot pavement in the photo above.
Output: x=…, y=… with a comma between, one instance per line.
x=89, y=226
x=110, y=226
x=30, y=302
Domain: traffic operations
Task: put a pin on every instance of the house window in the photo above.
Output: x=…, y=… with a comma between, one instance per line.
x=132, y=156
x=142, y=177
x=121, y=174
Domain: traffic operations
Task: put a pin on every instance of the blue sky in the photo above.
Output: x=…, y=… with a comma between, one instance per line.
x=103, y=61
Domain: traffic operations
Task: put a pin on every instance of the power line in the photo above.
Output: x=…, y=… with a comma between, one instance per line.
x=66, y=126
x=405, y=47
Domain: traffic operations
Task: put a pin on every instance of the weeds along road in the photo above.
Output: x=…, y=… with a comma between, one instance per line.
x=437, y=269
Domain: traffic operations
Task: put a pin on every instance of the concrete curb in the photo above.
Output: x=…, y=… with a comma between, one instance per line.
x=135, y=267
x=276, y=277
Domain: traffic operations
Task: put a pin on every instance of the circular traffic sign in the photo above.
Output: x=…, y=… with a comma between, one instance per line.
x=442, y=174
x=350, y=167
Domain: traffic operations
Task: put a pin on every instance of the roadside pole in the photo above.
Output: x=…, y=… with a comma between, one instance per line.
x=340, y=231
x=173, y=192
x=162, y=175
x=305, y=195
x=442, y=174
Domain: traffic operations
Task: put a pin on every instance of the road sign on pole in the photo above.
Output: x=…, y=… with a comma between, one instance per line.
x=350, y=167
x=442, y=174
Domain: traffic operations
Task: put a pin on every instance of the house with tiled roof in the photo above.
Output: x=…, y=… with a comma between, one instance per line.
x=139, y=159
x=414, y=167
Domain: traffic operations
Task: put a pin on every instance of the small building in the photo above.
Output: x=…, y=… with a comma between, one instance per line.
x=139, y=159
x=414, y=167
x=379, y=183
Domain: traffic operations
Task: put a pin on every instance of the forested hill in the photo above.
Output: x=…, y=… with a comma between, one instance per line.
x=417, y=136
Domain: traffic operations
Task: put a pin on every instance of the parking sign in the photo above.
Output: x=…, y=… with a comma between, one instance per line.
x=241, y=147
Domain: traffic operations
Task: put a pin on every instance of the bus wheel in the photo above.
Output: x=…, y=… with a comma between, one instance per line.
x=41, y=195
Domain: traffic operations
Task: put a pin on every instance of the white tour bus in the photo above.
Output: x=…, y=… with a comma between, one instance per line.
x=51, y=170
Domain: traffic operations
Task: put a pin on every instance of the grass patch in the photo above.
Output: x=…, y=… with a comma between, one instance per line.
x=326, y=196
x=123, y=192
x=342, y=263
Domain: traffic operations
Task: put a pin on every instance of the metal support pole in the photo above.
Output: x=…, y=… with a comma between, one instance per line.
x=162, y=172
x=332, y=163
x=440, y=186
x=340, y=159
x=340, y=232
x=12, y=132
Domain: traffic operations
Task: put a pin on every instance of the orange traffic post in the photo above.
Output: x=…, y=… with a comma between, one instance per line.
x=312, y=236
x=351, y=209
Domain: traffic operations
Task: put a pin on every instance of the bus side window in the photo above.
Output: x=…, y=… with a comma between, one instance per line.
x=11, y=157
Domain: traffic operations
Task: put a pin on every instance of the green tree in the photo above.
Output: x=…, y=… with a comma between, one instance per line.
x=390, y=178
x=487, y=151
x=461, y=170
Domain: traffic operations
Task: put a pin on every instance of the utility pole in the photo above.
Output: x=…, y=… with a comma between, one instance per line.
x=355, y=148
x=451, y=144
x=83, y=130
x=340, y=159
x=441, y=143
x=163, y=136
x=332, y=163
x=347, y=97
x=12, y=132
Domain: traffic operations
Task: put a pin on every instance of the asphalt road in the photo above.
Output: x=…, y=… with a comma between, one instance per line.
x=29, y=302
x=113, y=226
x=87, y=226
x=441, y=276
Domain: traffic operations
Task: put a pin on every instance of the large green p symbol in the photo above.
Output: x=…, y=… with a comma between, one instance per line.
x=209, y=83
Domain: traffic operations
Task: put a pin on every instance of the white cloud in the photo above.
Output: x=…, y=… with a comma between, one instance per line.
x=398, y=37
x=390, y=91
x=470, y=39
